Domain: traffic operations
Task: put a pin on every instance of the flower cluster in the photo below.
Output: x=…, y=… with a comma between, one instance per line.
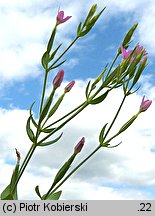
x=138, y=50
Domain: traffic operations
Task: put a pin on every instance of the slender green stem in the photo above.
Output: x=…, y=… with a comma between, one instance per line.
x=43, y=92
x=65, y=115
x=113, y=121
x=113, y=63
x=76, y=168
x=65, y=122
x=80, y=164
x=62, y=54
x=27, y=158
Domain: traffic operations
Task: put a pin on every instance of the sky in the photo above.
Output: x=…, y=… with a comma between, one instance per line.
x=125, y=172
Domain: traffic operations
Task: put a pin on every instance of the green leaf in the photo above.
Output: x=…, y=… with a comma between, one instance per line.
x=79, y=28
x=47, y=130
x=92, y=22
x=32, y=119
x=51, y=40
x=54, y=196
x=114, y=145
x=139, y=71
x=50, y=142
x=6, y=194
x=9, y=193
x=132, y=73
x=45, y=60
x=110, y=77
x=54, y=52
x=127, y=124
x=37, y=191
x=29, y=130
x=90, y=14
x=135, y=62
x=129, y=35
x=62, y=171
x=53, y=67
x=102, y=134
x=100, y=98
x=56, y=106
x=99, y=77
x=106, y=144
x=87, y=89
x=46, y=106
x=83, y=33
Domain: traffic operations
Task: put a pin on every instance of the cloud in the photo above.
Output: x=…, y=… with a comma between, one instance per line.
x=26, y=28
x=110, y=174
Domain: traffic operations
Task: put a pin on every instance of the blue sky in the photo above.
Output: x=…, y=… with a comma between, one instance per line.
x=25, y=29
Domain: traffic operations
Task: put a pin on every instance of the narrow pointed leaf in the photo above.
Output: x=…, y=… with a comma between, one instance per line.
x=139, y=71
x=90, y=14
x=47, y=130
x=50, y=142
x=135, y=62
x=79, y=28
x=29, y=130
x=110, y=77
x=54, y=52
x=100, y=98
x=127, y=124
x=102, y=134
x=99, y=77
x=32, y=119
x=46, y=106
x=51, y=40
x=45, y=60
x=6, y=194
x=53, y=67
x=129, y=34
x=37, y=191
x=62, y=171
x=115, y=145
x=56, y=106
x=54, y=196
x=87, y=89
x=92, y=22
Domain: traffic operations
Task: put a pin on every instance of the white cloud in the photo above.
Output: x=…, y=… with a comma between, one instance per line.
x=25, y=27
x=131, y=164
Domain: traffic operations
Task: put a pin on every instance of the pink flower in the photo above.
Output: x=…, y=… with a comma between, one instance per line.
x=69, y=86
x=126, y=54
x=60, y=17
x=139, y=49
x=58, y=79
x=145, y=104
x=79, y=146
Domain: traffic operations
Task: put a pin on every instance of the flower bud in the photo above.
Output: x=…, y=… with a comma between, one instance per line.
x=58, y=79
x=144, y=105
x=60, y=17
x=69, y=86
x=79, y=146
x=126, y=54
x=139, y=48
x=18, y=155
x=129, y=34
